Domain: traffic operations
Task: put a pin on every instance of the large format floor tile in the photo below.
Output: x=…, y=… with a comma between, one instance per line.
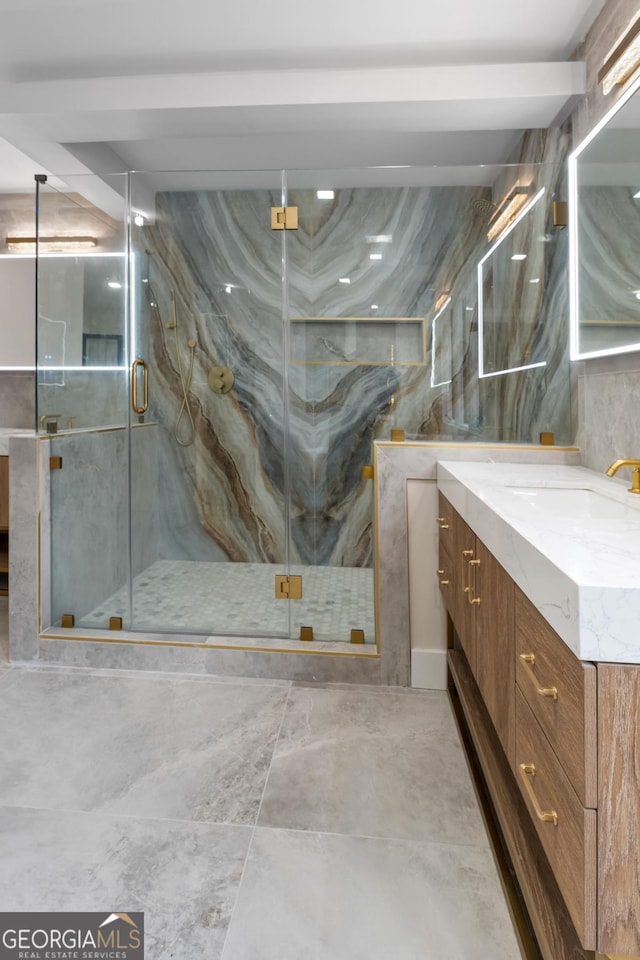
x=371, y=764
x=152, y=747
x=320, y=897
x=183, y=876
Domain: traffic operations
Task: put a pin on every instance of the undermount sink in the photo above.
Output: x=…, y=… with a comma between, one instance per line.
x=575, y=503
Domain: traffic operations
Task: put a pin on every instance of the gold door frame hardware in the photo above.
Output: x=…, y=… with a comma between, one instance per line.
x=55, y=463
x=139, y=408
x=306, y=633
x=528, y=662
x=67, y=620
x=357, y=636
x=547, y=816
x=366, y=472
x=220, y=379
x=288, y=587
x=284, y=218
x=115, y=623
x=397, y=435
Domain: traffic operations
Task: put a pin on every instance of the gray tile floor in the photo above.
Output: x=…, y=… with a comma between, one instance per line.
x=256, y=820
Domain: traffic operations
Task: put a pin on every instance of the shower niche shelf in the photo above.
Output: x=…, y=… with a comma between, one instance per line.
x=358, y=341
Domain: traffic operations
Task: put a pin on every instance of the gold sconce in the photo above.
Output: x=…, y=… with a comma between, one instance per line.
x=50, y=244
x=509, y=209
x=623, y=59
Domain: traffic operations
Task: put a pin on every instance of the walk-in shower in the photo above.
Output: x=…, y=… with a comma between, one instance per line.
x=215, y=483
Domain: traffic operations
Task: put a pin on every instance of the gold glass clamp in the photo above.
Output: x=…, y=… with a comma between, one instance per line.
x=547, y=816
x=139, y=408
x=528, y=661
x=284, y=218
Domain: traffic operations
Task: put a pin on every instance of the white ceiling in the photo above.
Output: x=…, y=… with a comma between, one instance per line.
x=107, y=85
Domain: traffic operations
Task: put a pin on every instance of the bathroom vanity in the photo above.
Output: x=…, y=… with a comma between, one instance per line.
x=538, y=576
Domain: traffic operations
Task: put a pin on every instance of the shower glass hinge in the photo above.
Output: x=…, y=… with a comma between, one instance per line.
x=284, y=218
x=288, y=588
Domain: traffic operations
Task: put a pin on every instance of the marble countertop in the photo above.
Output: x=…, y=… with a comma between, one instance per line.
x=581, y=572
x=6, y=432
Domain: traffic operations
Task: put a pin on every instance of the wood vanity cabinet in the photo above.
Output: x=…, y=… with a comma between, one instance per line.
x=4, y=524
x=480, y=601
x=567, y=790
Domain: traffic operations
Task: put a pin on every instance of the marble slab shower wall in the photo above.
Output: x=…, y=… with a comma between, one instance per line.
x=350, y=381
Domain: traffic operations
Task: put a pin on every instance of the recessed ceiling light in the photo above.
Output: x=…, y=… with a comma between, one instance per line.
x=374, y=306
x=636, y=294
x=138, y=220
x=114, y=284
x=228, y=288
x=379, y=238
x=375, y=256
x=519, y=256
x=535, y=280
x=636, y=196
x=344, y=280
x=325, y=194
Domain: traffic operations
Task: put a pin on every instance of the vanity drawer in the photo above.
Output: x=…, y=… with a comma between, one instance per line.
x=570, y=842
x=561, y=692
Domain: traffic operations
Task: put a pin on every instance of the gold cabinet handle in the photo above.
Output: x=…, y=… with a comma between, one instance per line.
x=445, y=583
x=528, y=661
x=547, y=816
x=473, y=600
x=139, y=408
x=441, y=574
x=442, y=522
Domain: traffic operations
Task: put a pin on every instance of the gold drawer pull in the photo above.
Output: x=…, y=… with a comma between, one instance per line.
x=547, y=816
x=467, y=553
x=472, y=600
x=443, y=524
x=439, y=572
x=528, y=661
x=445, y=583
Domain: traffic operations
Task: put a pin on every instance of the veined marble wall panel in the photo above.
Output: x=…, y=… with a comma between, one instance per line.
x=215, y=254
x=17, y=399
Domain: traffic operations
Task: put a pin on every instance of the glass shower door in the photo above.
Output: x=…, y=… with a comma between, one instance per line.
x=208, y=435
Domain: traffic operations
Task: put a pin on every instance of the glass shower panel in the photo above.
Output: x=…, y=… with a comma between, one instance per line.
x=208, y=473
x=358, y=303
x=82, y=386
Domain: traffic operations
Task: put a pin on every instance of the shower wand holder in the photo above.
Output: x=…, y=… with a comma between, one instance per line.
x=220, y=379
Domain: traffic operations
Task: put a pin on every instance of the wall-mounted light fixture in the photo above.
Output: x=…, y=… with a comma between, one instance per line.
x=50, y=244
x=623, y=59
x=509, y=208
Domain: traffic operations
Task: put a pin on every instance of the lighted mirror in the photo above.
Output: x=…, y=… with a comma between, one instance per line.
x=604, y=191
x=511, y=288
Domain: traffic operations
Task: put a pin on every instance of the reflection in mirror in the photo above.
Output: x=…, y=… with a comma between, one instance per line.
x=441, y=344
x=511, y=284
x=604, y=193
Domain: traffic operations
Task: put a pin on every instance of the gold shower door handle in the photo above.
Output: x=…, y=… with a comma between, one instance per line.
x=139, y=408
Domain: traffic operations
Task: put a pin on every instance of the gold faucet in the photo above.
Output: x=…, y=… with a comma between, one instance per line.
x=635, y=476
